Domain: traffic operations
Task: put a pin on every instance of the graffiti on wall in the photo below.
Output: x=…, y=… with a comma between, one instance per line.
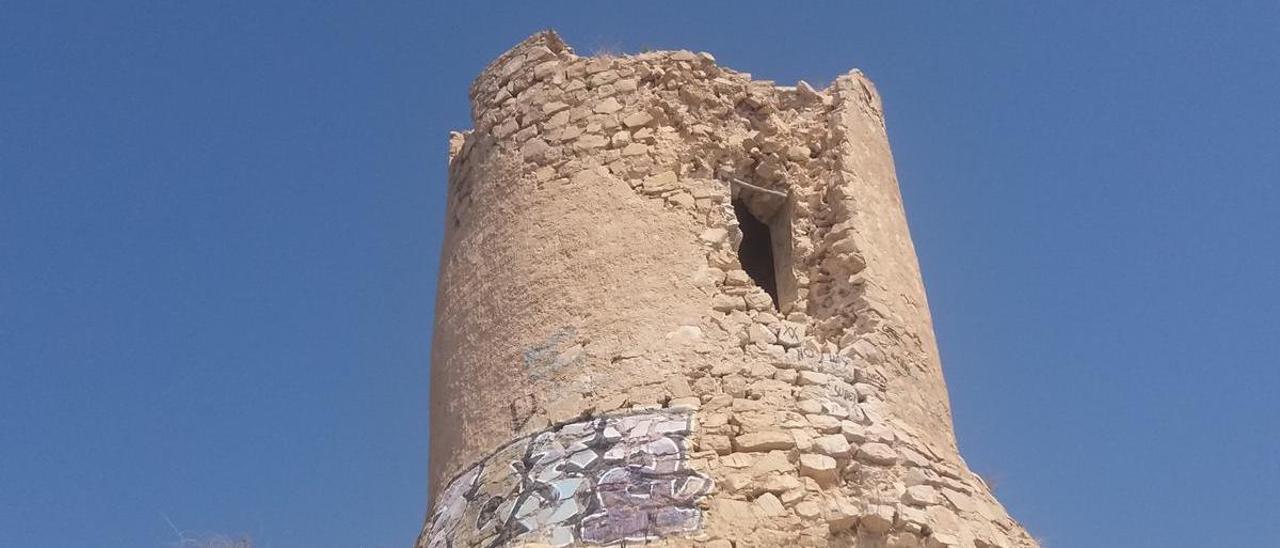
x=599, y=481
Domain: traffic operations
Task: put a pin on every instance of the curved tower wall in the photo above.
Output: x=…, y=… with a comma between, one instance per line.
x=604, y=368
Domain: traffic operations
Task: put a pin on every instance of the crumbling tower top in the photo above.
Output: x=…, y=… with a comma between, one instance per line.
x=663, y=277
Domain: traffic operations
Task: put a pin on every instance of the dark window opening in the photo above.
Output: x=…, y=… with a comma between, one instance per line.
x=756, y=250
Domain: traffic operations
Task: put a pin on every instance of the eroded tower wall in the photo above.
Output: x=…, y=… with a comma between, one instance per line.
x=604, y=369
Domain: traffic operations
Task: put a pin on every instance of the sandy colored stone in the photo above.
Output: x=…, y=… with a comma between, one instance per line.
x=942, y=540
x=733, y=511
x=660, y=181
x=825, y=424
x=590, y=141
x=685, y=334
x=737, y=277
x=768, y=505
x=876, y=453
x=781, y=483
x=608, y=106
x=761, y=335
x=720, y=444
x=819, y=467
x=810, y=407
x=763, y=441
x=808, y=509
x=960, y=501
x=877, y=519
x=535, y=150
x=814, y=377
x=678, y=387
x=592, y=267
x=681, y=199
x=804, y=439
x=637, y=119
x=903, y=539
x=879, y=433
x=943, y=519
x=758, y=300
x=713, y=236
x=635, y=149
x=569, y=407
x=833, y=445
x=842, y=515
x=691, y=403
x=791, y=334
x=920, y=495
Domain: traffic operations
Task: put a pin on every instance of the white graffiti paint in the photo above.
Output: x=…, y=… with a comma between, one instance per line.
x=599, y=481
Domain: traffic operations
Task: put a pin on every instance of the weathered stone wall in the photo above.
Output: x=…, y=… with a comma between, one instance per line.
x=603, y=369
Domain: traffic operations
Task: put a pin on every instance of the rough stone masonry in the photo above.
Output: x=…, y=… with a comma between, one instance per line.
x=681, y=307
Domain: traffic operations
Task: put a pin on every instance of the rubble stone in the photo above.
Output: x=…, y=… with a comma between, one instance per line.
x=877, y=453
x=608, y=106
x=833, y=445
x=768, y=505
x=877, y=519
x=759, y=300
x=594, y=287
x=819, y=467
x=814, y=378
x=637, y=119
x=842, y=515
x=761, y=335
x=763, y=441
x=942, y=540
x=920, y=495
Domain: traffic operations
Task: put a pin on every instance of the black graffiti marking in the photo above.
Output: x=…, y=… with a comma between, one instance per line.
x=625, y=475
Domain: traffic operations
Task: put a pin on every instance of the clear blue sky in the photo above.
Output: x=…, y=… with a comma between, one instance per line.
x=219, y=227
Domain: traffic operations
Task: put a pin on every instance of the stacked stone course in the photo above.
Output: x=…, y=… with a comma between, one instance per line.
x=591, y=278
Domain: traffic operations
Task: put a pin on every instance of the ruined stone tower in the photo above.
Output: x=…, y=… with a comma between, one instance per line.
x=681, y=307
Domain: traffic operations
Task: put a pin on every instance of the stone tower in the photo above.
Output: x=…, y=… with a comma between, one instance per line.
x=681, y=307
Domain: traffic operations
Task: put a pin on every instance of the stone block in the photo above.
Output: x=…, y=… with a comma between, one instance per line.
x=713, y=236
x=814, y=378
x=756, y=442
x=768, y=505
x=691, y=403
x=842, y=515
x=535, y=150
x=759, y=300
x=819, y=467
x=728, y=303
x=804, y=441
x=607, y=106
x=833, y=445
x=877, y=453
x=791, y=334
x=759, y=334
x=733, y=511
x=920, y=495
x=941, y=540
x=808, y=509
x=877, y=519
x=825, y=424
x=635, y=149
x=637, y=119
x=553, y=107
x=682, y=200
x=737, y=277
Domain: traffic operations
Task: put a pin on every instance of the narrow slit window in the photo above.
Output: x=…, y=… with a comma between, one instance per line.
x=756, y=250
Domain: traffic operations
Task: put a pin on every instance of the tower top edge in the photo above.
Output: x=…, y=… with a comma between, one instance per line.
x=547, y=44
